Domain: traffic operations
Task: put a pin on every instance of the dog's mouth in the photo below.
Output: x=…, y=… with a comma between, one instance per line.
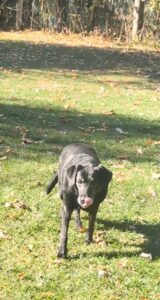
x=85, y=202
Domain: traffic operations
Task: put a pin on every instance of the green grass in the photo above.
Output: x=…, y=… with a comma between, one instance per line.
x=56, y=94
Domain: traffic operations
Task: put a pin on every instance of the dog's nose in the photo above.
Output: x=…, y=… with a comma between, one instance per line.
x=86, y=201
x=82, y=201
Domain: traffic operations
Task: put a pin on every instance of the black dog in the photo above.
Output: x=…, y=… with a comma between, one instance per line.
x=83, y=184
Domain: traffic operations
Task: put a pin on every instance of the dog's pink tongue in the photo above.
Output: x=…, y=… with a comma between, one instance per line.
x=88, y=202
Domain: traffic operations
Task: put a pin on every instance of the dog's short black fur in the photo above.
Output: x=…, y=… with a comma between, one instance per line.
x=83, y=184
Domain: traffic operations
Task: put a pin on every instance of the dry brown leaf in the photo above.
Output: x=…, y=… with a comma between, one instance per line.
x=82, y=229
x=118, y=166
x=58, y=261
x=149, y=142
x=27, y=141
x=8, y=149
x=47, y=295
x=110, y=113
x=121, y=177
x=99, y=240
x=21, y=276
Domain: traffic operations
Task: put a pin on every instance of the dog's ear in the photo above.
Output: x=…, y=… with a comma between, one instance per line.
x=105, y=174
x=72, y=172
x=71, y=175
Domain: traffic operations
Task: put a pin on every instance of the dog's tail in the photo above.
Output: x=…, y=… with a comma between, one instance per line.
x=52, y=183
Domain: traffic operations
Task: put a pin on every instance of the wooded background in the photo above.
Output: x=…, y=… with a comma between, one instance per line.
x=126, y=20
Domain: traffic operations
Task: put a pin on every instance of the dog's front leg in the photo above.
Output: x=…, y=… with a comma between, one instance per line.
x=92, y=217
x=78, y=221
x=65, y=219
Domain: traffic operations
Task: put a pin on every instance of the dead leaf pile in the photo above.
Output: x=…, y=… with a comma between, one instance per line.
x=17, y=205
x=150, y=142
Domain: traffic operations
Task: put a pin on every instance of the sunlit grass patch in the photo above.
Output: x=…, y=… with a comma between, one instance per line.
x=55, y=91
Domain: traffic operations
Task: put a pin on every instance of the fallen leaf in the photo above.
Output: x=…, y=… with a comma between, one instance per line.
x=99, y=238
x=118, y=166
x=47, y=295
x=8, y=149
x=123, y=263
x=152, y=193
x=121, y=177
x=27, y=141
x=21, y=276
x=149, y=142
x=102, y=90
x=156, y=175
x=82, y=229
x=58, y=261
x=4, y=235
x=102, y=274
x=99, y=241
x=146, y=255
x=110, y=113
x=139, y=151
x=123, y=157
x=156, y=143
x=39, y=142
x=119, y=130
x=3, y=157
x=101, y=129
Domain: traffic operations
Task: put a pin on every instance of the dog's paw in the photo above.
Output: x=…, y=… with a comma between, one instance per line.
x=88, y=241
x=61, y=254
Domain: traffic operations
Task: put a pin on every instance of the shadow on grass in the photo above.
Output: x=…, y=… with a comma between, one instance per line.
x=27, y=55
x=52, y=129
x=151, y=233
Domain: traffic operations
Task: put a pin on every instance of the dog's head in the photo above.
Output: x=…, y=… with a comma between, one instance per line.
x=88, y=181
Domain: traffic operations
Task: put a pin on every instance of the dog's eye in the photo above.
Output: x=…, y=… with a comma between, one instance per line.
x=80, y=181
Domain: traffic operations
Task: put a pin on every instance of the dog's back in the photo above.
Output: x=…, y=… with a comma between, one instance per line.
x=77, y=153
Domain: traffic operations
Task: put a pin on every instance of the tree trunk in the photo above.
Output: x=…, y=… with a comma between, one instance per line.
x=19, y=13
x=61, y=14
x=138, y=17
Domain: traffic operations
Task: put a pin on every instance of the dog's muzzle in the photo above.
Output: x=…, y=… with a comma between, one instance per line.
x=85, y=202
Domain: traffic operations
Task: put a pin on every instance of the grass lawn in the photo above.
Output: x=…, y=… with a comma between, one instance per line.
x=55, y=90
